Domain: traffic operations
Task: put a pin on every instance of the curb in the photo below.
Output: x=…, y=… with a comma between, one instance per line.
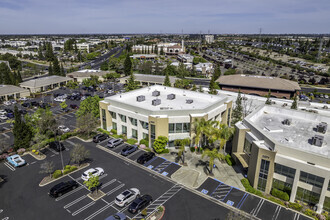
x=34, y=156
x=41, y=185
x=86, y=141
x=103, y=194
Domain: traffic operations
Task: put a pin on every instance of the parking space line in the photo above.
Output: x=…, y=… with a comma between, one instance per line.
x=70, y=142
x=52, y=151
x=115, y=189
x=108, y=183
x=133, y=153
x=74, y=202
x=162, y=166
x=69, y=193
x=9, y=166
x=256, y=210
x=147, y=163
x=69, y=115
x=99, y=211
x=240, y=203
x=277, y=212
x=6, y=135
x=83, y=208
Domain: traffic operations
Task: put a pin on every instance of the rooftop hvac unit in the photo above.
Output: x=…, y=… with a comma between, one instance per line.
x=317, y=140
x=156, y=102
x=189, y=101
x=287, y=121
x=322, y=127
x=155, y=93
x=140, y=98
x=171, y=96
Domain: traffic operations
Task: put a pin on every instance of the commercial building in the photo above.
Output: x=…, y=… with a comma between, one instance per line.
x=155, y=111
x=44, y=83
x=259, y=85
x=80, y=75
x=148, y=80
x=204, y=68
x=83, y=46
x=185, y=58
x=288, y=150
x=144, y=56
x=8, y=92
x=209, y=39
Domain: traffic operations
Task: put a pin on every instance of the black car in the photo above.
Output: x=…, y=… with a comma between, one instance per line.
x=140, y=203
x=57, y=146
x=23, y=112
x=100, y=137
x=62, y=188
x=35, y=104
x=8, y=110
x=26, y=104
x=145, y=157
x=73, y=106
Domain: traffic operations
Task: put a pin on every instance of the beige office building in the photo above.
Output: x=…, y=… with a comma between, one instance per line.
x=288, y=150
x=161, y=111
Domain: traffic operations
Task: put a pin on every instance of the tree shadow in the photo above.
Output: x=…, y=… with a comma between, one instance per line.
x=3, y=180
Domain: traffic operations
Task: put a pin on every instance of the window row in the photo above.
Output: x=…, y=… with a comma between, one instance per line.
x=307, y=196
x=311, y=179
x=178, y=128
x=284, y=170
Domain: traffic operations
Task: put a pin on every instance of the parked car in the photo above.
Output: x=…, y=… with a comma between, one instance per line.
x=13, y=101
x=35, y=104
x=59, y=99
x=22, y=111
x=23, y=99
x=100, y=137
x=126, y=197
x=3, y=117
x=7, y=103
x=57, y=146
x=115, y=142
x=128, y=150
x=117, y=216
x=140, y=203
x=10, y=115
x=8, y=110
x=62, y=188
x=26, y=105
x=73, y=106
x=16, y=160
x=2, y=112
x=95, y=172
x=63, y=128
x=145, y=157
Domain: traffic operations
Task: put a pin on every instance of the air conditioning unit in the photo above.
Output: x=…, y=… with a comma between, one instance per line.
x=156, y=102
x=317, y=140
x=140, y=98
x=156, y=93
x=322, y=127
x=171, y=96
x=287, y=121
x=189, y=101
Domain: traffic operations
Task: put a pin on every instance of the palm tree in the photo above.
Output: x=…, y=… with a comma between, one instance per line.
x=213, y=154
x=225, y=134
x=183, y=143
x=202, y=128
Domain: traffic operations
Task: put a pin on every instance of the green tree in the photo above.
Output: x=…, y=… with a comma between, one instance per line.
x=56, y=67
x=221, y=133
x=161, y=51
x=50, y=69
x=182, y=83
x=86, y=124
x=47, y=167
x=237, y=114
x=131, y=83
x=167, y=81
x=202, y=128
x=213, y=87
x=217, y=72
x=160, y=144
x=5, y=74
x=46, y=122
x=182, y=143
x=294, y=103
x=22, y=132
x=212, y=155
x=127, y=65
x=89, y=105
x=72, y=85
x=194, y=88
x=79, y=154
x=62, y=70
x=92, y=81
x=170, y=70
x=63, y=105
x=93, y=182
x=268, y=101
x=19, y=77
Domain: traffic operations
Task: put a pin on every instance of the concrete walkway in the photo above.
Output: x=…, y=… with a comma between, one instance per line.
x=192, y=176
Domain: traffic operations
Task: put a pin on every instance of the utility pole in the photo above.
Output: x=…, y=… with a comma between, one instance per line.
x=320, y=49
x=260, y=30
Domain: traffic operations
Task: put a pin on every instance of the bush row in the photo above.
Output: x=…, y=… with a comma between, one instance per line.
x=145, y=142
x=230, y=161
x=280, y=194
x=67, y=169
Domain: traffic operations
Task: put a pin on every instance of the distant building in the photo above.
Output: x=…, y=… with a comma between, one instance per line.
x=83, y=46
x=45, y=83
x=148, y=80
x=259, y=85
x=80, y=75
x=185, y=58
x=8, y=92
x=204, y=68
x=209, y=39
x=144, y=56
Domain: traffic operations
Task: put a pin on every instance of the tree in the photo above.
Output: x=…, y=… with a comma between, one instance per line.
x=47, y=167
x=22, y=132
x=5, y=74
x=222, y=133
x=217, y=72
x=201, y=127
x=127, y=65
x=56, y=67
x=182, y=83
x=131, y=83
x=79, y=154
x=89, y=105
x=86, y=124
x=50, y=69
x=93, y=182
x=46, y=122
x=19, y=77
x=200, y=89
x=37, y=141
x=212, y=155
x=213, y=87
x=194, y=88
x=161, y=51
x=183, y=143
x=294, y=103
x=62, y=70
x=167, y=81
x=63, y=105
x=268, y=101
x=237, y=114
x=160, y=144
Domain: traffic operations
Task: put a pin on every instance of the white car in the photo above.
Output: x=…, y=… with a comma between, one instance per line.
x=3, y=112
x=95, y=172
x=3, y=117
x=59, y=99
x=13, y=101
x=126, y=197
x=23, y=99
x=63, y=128
x=7, y=103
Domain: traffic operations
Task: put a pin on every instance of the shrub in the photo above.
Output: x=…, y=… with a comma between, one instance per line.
x=57, y=174
x=166, y=151
x=160, y=209
x=309, y=212
x=113, y=131
x=21, y=150
x=280, y=194
x=192, y=149
x=73, y=168
x=145, y=142
x=37, y=152
x=276, y=200
x=67, y=135
x=66, y=171
x=33, y=151
x=67, y=167
x=245, y=182
x=103, y=131
x=295, y=206
x=229, y=160
x=160, y=143
x=131, y=141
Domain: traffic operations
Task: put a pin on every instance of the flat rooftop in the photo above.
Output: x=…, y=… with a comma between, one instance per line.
x=199, y=100
x=297, y=135
x=151, y=78
x=10, y=89
x=44, y=81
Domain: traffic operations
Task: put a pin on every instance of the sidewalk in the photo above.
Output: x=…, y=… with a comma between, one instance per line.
x=192, y=176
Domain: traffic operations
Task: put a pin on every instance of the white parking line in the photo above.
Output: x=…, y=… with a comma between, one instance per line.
x=115, y=189
x=99, y=211
x=71, y=116
x=74, y=202
x=133, y=153
x=70, y=142
x=276, y=213
x=83, y=208
x=9, y=166
x=52, y=151
x=6, y=135
x=69, y=193
x=108, y=183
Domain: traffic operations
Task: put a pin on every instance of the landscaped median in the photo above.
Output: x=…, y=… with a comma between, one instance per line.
x=58, y=174
x=158, y=214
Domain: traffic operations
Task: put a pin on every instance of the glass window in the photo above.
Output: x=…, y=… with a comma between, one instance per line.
x=134, y=133
x=284, y=170
x=113, y=115
x=171, y=128
x=123, y=129
x=186, y=127
x=144, y=124
x=263, y=175
x=104, y=120
x=326, y=204
x=283, y=186
x=178, y=128
x=311, y=179
x=153, y=132
x=122, y=117
x=145, y=136
x=307, y=196
x=114, y=125
x=133, y=121
x=247, y=147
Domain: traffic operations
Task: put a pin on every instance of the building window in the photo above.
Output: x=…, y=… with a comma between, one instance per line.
x=178, y=128
x=104, y=120
x=283, y=186
x=145, y=136
x=144, y=125
x=284, y=170
x=186, y=127
x=114, y=125
x=326, y=204
x=247, y=147
x=171, y=128
x=307, y=196
x=123, y=129
x=122, y=117
x=153, y=132
x=134, y=133
x=311, y=179
x=228, y=117
x=133, y=121
x=263, y=175
x=113, y=115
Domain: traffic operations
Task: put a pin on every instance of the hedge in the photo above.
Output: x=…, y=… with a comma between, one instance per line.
x=67, y=135
x=131, y=141
x=103, y=131
x=192, y=149
x=280, y=194
x=295, y=206
x=230, y=161
x=249, y=188
x=57, y=174
x=309, y=212
x=145, y=142
x=278, y=201
x=113, y=131
x=165, y=151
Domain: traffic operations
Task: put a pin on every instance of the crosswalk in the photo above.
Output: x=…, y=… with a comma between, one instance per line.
x=162, y=166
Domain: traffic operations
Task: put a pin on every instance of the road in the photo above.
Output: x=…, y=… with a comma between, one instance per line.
x=96, y=64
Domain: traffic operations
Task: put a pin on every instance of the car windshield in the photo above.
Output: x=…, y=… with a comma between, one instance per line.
x=84, y=174
x=119, y=200
x=134, y=205
x=126, y=193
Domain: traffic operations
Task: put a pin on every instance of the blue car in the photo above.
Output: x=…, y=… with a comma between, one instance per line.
x=117, y=216
x=16, y=160
x=10, y=115
x=128, y=150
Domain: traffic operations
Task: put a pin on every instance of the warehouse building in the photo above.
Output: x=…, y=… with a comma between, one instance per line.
x=45, y=83
x=8, y=92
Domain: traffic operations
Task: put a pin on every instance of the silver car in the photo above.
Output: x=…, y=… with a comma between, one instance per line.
x=115, y=142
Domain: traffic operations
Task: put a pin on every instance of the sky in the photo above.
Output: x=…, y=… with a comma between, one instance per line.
x=164, y=16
